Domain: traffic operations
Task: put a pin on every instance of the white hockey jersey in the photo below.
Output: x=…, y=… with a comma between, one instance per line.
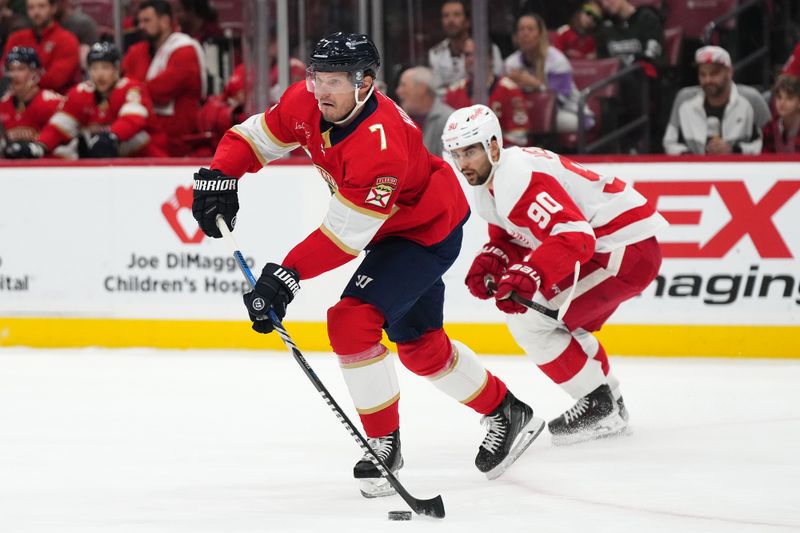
x=561, y=210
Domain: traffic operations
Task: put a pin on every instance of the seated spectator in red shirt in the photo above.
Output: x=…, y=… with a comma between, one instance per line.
x=25, y=108
x=56, y=47
x=505, y=98
x=781, y=134
x=576, y=39
x=792, y=66
x=172, y=66
x=111, y=116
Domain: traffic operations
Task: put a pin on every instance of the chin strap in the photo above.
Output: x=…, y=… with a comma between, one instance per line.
x=358, y=105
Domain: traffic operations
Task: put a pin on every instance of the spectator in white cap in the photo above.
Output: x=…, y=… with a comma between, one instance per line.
x=718, y=116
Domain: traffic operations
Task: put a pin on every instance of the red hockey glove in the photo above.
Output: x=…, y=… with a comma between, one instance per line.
x=520, y=278
x=488, y=265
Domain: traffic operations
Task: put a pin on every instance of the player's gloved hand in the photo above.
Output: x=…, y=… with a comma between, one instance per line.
x=487, y=266
x=275, y=288
x=103, y=144
x=24, y=150
x=521, y=279
x=214, y=194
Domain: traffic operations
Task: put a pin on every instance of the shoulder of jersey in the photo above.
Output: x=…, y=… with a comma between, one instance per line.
x=457, y=86
x=83, y=87
x=47, y=94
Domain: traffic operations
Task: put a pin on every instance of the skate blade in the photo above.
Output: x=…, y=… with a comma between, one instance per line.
x=376, y=487
x=532, y=429
x=609, y=427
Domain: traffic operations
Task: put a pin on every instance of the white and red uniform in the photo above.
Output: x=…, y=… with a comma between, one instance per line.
x=22, y=121
x=127, y=113
x=507, y=102
x=551, y=212
x=384, y=184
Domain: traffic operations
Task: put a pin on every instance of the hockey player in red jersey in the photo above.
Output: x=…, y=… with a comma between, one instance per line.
x=546, y=212
x=391, y=197
x=505, y=98
x=111, y=116
x=25, y=108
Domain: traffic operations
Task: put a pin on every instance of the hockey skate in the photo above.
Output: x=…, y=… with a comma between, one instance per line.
x=511, y=429
x=594, y=416
x=370, y=481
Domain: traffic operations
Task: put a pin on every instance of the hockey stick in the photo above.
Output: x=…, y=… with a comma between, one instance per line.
x=530, y=304
x=433, y=507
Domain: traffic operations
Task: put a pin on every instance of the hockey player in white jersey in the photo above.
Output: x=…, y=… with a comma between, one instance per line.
x=545, y=213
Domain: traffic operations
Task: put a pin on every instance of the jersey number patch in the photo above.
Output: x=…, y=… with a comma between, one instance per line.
x=542, y=208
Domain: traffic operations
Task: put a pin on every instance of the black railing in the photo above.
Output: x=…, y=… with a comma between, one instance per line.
x=755, y=55
x=641, y=121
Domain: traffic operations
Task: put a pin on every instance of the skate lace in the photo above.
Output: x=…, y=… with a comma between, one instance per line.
x=497, y=428
x=574, y=412
x=382, y=446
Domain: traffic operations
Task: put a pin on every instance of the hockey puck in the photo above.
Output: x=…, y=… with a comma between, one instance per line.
x=399, y=515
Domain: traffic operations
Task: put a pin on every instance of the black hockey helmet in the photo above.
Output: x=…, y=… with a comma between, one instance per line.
x=346, y=52
x=24, y=55
x=103, y=52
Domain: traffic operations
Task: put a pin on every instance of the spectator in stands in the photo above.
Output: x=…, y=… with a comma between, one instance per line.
x=782, y=133
x=417, y=94
x=198, y=20
x=505, y=99
x=10, y=21
x=56, y=47
x=576, y=39
x=25, y=108
x=446, y=58
x=792, y=65
x=78, y=23
x=718, y=116
x=110, y=115
x=172, y=66
x=537, y=66
x=631, y=34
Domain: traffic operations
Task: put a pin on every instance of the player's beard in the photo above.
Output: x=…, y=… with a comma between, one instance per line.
x=713, y=90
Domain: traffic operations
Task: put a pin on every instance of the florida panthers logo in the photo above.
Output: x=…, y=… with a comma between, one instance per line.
x=328, y=179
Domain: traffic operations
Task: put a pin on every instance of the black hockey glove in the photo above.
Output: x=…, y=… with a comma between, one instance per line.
x=275, y=288
x=214, y=194
x=24, y=150
x=104, y=144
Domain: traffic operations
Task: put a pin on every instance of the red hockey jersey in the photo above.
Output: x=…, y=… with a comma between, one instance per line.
x=57, y=50
x=383, y=181
x=23, y=121
x=507, y=102
x=127, y=113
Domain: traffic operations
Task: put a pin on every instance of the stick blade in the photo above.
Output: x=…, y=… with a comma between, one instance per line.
x=433, y=507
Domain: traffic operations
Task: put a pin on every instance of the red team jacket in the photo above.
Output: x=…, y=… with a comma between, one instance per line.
x=128, y=113
x=383, y=181
x=179, y=82
x=507, y=102
x=575, y=45
x=57, y=50
x=23, y=121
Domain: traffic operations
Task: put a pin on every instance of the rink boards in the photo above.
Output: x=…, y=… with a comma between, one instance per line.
x=111, y=256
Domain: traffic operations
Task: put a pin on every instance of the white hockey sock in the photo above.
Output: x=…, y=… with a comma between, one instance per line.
x=371, y=379
x=463, y=377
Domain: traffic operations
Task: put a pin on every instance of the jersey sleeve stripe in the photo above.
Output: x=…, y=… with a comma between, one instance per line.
x=342, y=246
x=253, y=146
x=65, y=123
x=572, y=226
x=362, y=210
x=351, y=229
x=264, y=144
x=133, y=108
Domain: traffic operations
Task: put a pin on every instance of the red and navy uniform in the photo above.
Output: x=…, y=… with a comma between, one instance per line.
x=22, y=121
x=179, y=86
x=127, y=113
x=58, y=50
x=391, y=196
x=507, y=102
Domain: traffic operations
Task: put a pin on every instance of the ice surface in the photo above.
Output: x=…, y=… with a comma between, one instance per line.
x=150, y=441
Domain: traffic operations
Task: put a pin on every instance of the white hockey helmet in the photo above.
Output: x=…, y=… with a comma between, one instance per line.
x=472, y=125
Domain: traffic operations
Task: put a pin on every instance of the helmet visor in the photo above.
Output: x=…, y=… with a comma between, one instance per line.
x=329, y=82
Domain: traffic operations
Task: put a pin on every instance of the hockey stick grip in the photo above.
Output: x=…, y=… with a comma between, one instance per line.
x=530, y=304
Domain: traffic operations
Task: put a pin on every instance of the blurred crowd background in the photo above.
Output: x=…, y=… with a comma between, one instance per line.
x=154, y=78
